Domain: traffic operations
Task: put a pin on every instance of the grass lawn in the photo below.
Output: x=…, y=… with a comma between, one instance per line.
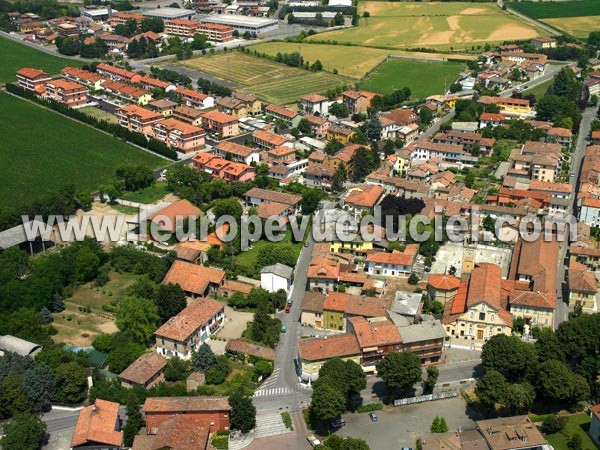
x=15, y=56
x=422, y=77
x=352, y=62
x=99, y=114
x=447, y=25
x=248, y=258
x=94, y=297
x=43, y=151
x=80, y=329
x=151, y=194
x=268, y=80
x=539, y=90
x=576, y=424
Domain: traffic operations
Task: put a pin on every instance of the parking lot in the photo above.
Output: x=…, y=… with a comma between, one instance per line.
x=399, y=427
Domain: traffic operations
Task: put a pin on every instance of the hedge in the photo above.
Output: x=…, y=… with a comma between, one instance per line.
x=114, y=129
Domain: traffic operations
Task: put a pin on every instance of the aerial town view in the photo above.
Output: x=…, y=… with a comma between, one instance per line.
x=298, y=224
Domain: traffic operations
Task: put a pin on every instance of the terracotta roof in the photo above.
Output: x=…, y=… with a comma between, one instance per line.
x=537, y=260
x=281, y=111
x=193, y=277
x=396, y=257
x=313, y=98
x=336, y=346
x=315, y=120
x=67, y=85
x=271, y=138
x=313, y=302
x=184, y=128
x=96, y=424
x=374, y=333
x=485, y=284
x=582, y=280
x=185, y=404
x=247, y=348
x=366, y=195
x=144, y=368
x=511, y=433
x=323, y=268
x=191, y=93
x=358, y=305
x=443, y=282
x=180, y=432
x=28, y=72
x=188, y=111
x=175, y=211
x=271, y=209
x=272, y=196
x=235, y=149
x=142, y=113
x=238, y=286
x=333, y=129
x=562, y=132
x=336, y=301
x=402, y=116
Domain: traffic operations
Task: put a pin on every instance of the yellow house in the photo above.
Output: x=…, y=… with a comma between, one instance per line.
x=582, y=287
x=144, y=99
x=341, y=134
x=313, y=353
x=508, y=105
x=477, y=308
x=357, y=247
x=334, y=311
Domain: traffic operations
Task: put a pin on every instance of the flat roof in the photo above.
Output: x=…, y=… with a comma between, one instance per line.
x=169, y=13
x=238, y=20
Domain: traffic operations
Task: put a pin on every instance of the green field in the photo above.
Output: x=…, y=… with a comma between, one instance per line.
x=15, y=56
x=448, y=25
x=149, y=195
x=539, y=90
x=43, y=151
x=576, y=424
x=556, y=10
x=422, y=77
x=352, y=62
x=268, y=80
x=580, y=27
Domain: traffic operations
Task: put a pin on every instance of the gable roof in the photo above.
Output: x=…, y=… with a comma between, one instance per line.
x=193, y=278
x=272, y=196
x=180, y=432
x=183, y=325
x=366, y=195
x=144, y=368
x=281, y=270
x=326, y=347
x=374, y=333
x=185, y=404
x=96, y=424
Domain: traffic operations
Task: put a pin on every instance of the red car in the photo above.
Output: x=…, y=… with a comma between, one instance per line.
x=288, y=307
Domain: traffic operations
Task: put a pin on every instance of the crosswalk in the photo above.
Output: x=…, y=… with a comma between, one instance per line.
x=272, y=392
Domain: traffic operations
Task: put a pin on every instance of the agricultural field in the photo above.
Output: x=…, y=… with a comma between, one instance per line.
x=577, y=18
x=445, y=26
x=15, y=56
x=47, y=151
x=80, y=328
x=352, y=62
x=424, y=78
x=268, y=80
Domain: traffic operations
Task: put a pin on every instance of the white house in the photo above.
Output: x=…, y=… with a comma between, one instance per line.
x=392, y=264
x=275, y=277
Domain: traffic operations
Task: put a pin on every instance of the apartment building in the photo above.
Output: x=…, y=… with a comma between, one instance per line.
x=123, y=18
x=222, y=168
x=137, y=119
x=376, y=338
x=189, y=115
x=182, y=28
x=267, y=140
x=315, y=104
x=93, y=81
x=111, y=72
x=32, y=79
x=340, y=134
x=237, y=152
x=211, y=412
x=195, y=99
x=391, y=264
x=280, y=156
x=69, y=93
x=179, y=136
x=318, y=125
x=583, y=287
x=357, y=102
x=126, y=93
x=313, y=353
x=239, y=105
x=290, y=117
x=536, y=161
x=220, y=123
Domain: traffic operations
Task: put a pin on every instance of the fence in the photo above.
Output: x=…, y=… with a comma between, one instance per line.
x=425, y=398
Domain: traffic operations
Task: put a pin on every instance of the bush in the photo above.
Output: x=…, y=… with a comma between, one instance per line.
x=413, y=279
x=287, y=420
x=553, y=424
x=220, y=442
x=369, y=407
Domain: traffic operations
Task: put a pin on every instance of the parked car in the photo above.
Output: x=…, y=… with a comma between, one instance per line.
x=306, y=244
x=338, y=423
x=288, y=307
x=313, y=441
x=283, y=328
x=373, y=417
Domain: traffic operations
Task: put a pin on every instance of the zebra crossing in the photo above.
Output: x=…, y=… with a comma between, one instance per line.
x=272, y=392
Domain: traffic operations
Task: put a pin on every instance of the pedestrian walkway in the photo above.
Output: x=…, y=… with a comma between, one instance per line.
x=242, y=442
x=272, y=392
x=269, y=425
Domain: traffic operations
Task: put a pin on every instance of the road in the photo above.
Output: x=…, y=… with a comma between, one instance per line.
x=551, y=70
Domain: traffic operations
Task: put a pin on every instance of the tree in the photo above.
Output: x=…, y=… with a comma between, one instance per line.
x=24, y=432
x=243, y=412
x=363, y=162
x=491, y=388
x=228, y=207
x=554, y=380
x=553, y=424
x=575, y=442
x=71, y=383
x=218, y=373
x=304, y=126
x=169, y=301
x=400, y=370
x=339, y=110
x=432, y=377
x=425, y=115
x=339, y=178
x=135, y=421
x=338, y=19
x=123, y=355
x=39, y=385
x=153, y=24
x=374, y=128
x=274, y=253
x=310, y=200
x=438, y=425
x=519, y=397
x=261, y=322
x=203, y=359
x=327, y=402
x=581, y=389
x=12, y=397
x=344, y=375
x=176, y=369
x=46, y=316
x=547, y=345
x=508, y=355
x=135, y=177
x=413, y=279
x=137, y=318
x=262, y=369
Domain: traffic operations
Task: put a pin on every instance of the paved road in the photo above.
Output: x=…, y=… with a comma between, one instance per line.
x=551, y=70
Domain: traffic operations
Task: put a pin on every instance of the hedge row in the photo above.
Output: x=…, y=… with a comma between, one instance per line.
x=114, y=129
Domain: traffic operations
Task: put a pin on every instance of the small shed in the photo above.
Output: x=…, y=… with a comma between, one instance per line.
x=194, y=380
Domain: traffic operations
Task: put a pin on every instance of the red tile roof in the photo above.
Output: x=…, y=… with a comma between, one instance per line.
x=336, y=346
x=375, y=333
x=180, y=327
x=180, y=432
x=96, y=425
x=144, y=368
x=28, y=72
x=185, y=404
x=179, y=210
x=443, y=282
x=365, y=196
x=193, y=277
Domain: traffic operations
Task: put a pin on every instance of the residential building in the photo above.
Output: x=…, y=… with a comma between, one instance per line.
x=239, y=105
x=511, y=433
x=122, y=18
x=146, y=371
x=179, y=136
x=392, y=264
x=182, y=27
x=288, y=116
x=376, y=338
x=180, y=432
x=314, y=352
x=195, y=280
x=544, y=42
x=323, y=275
x=191, y=327
x=562, y=136
x=536, y=161
x=276, y=277
x=507, y=105
x=467, y=139
x=154, y=83
x=195, y=99
x=267, y=140
x=69, y=93
x=237, y=152
x=162, y=106
x=114, y=73
x=340, y=134
x=98, y=427
x=172, y=216
x=257, y=196
x=126, y=93
x=447, y=154
x=318, y=177
x=221, y=168
x=312, y=309
x=68, y=29
x=280, y=156
x=213, y=412
x=220, y=124
x=357, y=102
x=243, y=348
x=425, y=339
x=189, y=115
x=363, y=198
x=402, y=116
x=315, y=104
x=319, y=125
x=32, y=79
x=93, y=81
x=491, y=120
x=583, y=287
x=137, y=119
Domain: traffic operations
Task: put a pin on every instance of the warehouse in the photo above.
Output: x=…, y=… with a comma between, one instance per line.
x=170, y=13
x=257, y=25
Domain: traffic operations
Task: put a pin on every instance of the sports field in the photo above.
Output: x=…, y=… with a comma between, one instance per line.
x=14, y=56
x=42, y=151
x=443, y=25
x=422, y=77
x=268, y=80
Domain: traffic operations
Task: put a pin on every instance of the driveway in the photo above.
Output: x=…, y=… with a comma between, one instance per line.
x=399, y=427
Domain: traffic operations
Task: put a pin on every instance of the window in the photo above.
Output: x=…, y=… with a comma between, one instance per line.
x=481, y=316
